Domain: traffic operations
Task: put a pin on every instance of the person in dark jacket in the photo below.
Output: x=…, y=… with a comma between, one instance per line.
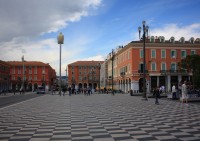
x=156, y=93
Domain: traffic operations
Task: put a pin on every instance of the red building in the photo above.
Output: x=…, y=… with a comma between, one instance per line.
x=4, y=76
x=162, y=58
x=84, y=74
x=35, y=74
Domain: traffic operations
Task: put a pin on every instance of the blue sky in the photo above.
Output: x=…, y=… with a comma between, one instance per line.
x=92, y=28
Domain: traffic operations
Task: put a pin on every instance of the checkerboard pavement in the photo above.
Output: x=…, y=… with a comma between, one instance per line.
x=99, y=118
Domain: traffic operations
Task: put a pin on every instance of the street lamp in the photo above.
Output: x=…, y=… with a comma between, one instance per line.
x=145, y=33
x=112, y=54
x=22, y=74
x=99, y=77
x=60, y=39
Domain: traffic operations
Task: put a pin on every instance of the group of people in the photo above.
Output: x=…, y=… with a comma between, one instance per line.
x=183, y=89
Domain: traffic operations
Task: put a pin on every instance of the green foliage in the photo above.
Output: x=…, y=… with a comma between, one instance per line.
x=192, y=63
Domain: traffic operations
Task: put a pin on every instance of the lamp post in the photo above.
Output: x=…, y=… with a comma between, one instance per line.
x=112, y=58
x=22, y=74
x=99, y=78
x=145, y=33
x=60, y=39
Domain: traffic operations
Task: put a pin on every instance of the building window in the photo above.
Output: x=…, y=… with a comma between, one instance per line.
x=80, y=72
x=173, y=66
x=35, y=70
x=153, y=66
x=30, y=69
x=43, y=69
x=141, y=68
x=193, y=52
x=163, y=66
x=153, y=53
x=43, y=78
x=183, y=54
x=141, y=53
x=152, y=39
x=13, y=77
x=80, y=77
x=19, y=70
x=35, y=77
x=13, y=70
x=30, y=77
x=163, y=53
x=173, y=53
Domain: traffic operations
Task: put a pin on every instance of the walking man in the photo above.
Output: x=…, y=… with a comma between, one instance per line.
x=156, y=93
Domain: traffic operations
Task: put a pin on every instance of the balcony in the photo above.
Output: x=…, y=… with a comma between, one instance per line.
x=164, y=72
x=122, y=74
x=141, y=71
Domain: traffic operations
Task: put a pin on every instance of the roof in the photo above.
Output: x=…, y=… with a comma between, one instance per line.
x=28, y=63
x=4, y=63
x=86, y=63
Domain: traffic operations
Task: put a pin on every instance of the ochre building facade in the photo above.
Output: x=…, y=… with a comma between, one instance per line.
x=162, y=57
x=84, y=74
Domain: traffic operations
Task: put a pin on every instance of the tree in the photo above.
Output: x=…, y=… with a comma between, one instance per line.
x=192, y=64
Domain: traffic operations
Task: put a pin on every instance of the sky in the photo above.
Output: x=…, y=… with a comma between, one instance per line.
x=91, y=28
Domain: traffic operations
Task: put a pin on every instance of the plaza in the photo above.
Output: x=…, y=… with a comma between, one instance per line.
x=99, y=117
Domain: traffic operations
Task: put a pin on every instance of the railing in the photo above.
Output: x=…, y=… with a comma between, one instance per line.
x=173, y=71
x=140, y=71
x=122, y=74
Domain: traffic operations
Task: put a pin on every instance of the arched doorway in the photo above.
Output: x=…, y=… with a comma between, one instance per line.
x=29, y=87
x=90, y=85
x=153, y=82
x=141, y=85
x=95, y=86
x=80, y=86
x=85, y=85
x=35, y=86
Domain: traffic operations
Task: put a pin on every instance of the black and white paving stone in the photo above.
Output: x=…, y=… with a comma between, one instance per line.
x=99, y=118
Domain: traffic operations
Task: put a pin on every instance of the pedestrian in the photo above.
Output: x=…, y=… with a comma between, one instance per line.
x=184, y=93
x=156, y=93
x=14, y=91
x=69, y=89
x=173, y=92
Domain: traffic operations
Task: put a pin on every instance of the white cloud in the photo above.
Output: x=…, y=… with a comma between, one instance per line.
x=95, y=58
x=26, y=18
x=46, y=50
x=23, y=21
x=177, y=31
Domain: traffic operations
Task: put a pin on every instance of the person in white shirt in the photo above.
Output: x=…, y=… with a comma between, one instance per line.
x=173, y=92
x=184, y=93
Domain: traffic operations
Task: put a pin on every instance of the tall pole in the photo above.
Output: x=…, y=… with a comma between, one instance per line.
x=112, y=70
x=145, y=31
x=60, y=39
x=144, y=63
x=99, y=77
x=23, y=73
x=60, y=73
